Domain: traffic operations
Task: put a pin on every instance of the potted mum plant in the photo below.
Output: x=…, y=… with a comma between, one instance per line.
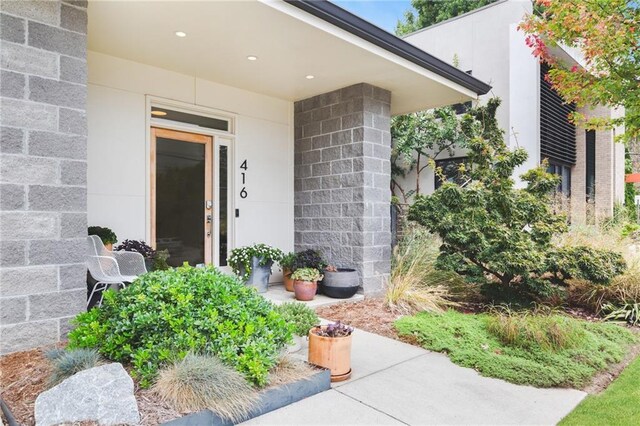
x=305, y=283
x=287, y=269
x=330, y=347
x=301, y=318
x=107, y=236
x=253, y=264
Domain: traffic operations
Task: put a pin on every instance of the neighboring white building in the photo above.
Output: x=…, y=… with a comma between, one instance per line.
x=487, y=44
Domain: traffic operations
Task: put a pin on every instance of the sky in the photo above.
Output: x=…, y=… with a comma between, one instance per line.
x=383, y=13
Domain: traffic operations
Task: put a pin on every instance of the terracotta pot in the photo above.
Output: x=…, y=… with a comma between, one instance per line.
x=305, y=290
x=333, y=353
x=286, y=277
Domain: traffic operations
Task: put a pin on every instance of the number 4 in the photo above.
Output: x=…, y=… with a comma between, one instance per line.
x=244, y=165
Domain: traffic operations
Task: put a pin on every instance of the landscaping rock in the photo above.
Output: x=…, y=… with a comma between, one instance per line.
x=103, y=394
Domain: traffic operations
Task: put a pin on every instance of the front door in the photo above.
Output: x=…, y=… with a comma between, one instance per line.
x=181, y=195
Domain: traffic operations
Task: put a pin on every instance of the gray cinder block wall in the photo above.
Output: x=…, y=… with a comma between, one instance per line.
x=43, y=170
x=342, y=174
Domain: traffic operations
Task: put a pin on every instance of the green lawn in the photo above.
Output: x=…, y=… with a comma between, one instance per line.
x=618, y=405
x=470, y=340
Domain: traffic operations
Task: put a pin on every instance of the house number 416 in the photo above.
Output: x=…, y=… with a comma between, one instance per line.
x=243, y=191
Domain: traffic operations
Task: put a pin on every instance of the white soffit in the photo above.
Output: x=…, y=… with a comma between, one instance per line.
x=289, y=44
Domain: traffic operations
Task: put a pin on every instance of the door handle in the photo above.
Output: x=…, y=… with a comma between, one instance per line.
x=210, y=223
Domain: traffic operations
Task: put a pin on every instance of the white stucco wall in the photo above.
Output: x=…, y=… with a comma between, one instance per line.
x=487, y=42
x=118, y=179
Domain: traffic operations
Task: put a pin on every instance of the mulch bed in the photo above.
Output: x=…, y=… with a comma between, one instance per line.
x=373, y=316
x=24, y=376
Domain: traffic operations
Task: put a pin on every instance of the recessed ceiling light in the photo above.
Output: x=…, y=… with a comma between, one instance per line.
x=181, y=34
x=310, y=77
x=158, y=113
x=252, y=58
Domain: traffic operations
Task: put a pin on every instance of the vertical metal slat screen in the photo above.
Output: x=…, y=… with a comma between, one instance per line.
x=557, y=134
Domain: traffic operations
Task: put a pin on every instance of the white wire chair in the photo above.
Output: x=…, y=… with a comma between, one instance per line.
x=108, y=268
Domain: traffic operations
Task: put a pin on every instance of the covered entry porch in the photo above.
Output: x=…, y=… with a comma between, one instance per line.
x=214, y=125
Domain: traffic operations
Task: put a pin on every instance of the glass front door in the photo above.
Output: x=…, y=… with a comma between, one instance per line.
x=182, y=212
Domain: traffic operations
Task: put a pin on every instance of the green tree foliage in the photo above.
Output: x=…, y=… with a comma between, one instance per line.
x=493, y=233
x=418, y=139
x=607, y=32
x=429, y=12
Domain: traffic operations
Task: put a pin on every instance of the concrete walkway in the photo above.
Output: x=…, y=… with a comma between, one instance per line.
x=396, y=383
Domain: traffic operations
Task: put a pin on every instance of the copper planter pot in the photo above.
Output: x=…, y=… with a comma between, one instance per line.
x=305, y=290
x=286, y=277
x=333, y=353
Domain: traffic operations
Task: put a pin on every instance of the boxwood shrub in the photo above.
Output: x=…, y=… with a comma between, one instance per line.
x=164, y=315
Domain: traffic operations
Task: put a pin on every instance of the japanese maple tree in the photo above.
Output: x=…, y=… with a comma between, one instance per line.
x=607, y=34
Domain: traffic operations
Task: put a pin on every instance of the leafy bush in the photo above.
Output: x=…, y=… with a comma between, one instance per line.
x=160, y=260
x=241, y=257
x=300, y=316
x=306, y=274
x=629, y=313
x=137, y=246
x=106, y=235
x=594, y=265
x=65, y=364
x=198, y=382
x=493, y=233
x=468, y=342
x=308, y=259
x=287, y=261
x=170, y=313
x=415, y=284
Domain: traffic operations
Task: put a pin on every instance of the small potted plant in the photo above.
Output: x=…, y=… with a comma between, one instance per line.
x=330, y=347
x=305, y=283
x=107, y=236
x=340, y=283
x=301, y=318
x=287, y=269
x=309, y=259
x=253, y=264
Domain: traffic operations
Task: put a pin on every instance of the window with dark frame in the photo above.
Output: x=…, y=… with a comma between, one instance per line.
x=564, y=171
x=451, y=171
x=590, y=165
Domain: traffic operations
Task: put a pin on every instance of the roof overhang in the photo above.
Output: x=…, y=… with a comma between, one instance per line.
x=292, y=39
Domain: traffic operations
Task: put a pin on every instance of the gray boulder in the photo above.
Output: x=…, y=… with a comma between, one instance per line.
x=103, y=394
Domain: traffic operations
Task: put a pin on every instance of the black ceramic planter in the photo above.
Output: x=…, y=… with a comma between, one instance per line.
x=270, y=400
x=340, y=292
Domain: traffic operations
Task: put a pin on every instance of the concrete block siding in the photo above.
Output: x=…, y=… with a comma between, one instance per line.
x=342, y=173
x=43, y=170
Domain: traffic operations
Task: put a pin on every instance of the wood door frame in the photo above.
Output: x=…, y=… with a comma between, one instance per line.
x=183, y=136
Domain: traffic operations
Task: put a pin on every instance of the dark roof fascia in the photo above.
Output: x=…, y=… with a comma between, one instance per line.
x=359, y=27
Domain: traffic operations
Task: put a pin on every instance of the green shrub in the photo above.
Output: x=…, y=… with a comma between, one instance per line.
x=199, y=382
x=299, y=316
x=167, y=314
x=106, y=234
x=65, y=364
x=468, y=341
x=594, y=265
x=494, y=233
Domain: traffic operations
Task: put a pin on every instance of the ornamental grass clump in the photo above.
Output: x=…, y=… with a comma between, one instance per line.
x=168, y=314
x=199, y=382
x=415, y=285
x=66, y=363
